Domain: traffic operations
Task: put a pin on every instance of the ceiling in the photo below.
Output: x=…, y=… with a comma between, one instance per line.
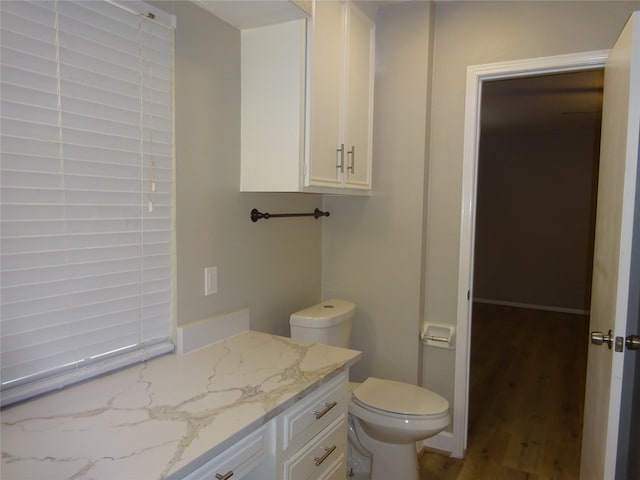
x=554, y=101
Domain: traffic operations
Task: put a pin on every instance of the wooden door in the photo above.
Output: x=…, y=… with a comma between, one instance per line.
x=612, y=255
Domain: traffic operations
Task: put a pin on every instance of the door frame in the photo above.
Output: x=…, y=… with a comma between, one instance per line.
x=476, y=75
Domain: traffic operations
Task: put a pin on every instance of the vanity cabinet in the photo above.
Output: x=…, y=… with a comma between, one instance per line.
x=323, y=457
x=308, y=441
x=248, y=459
x=313, y=433
x=307, y=103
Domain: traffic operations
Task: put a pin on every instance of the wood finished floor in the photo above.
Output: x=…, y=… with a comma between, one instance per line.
x=526, y=398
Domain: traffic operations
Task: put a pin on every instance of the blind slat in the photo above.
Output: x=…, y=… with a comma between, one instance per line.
x=86, y=135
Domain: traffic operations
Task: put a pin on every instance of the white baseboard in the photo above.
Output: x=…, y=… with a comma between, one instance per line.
x=442, y=442
x=547, y=308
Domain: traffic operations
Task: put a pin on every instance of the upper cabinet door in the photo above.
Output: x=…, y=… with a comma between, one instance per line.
x=358, y=98
x=340, y=91
x=325, y=92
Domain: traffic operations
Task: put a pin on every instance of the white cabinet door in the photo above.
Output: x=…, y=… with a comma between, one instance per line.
x=358, y=98
x=341, y=97
x=325, y=81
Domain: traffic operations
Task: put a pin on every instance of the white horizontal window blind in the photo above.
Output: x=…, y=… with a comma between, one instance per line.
x=86, y=178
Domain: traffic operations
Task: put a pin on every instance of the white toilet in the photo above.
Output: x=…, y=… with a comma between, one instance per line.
x=387, y=418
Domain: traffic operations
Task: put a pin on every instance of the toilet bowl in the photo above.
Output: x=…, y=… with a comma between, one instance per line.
x=389, y=418
x=386, y=418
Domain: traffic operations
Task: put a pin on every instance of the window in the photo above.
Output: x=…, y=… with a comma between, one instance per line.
x=86, y=171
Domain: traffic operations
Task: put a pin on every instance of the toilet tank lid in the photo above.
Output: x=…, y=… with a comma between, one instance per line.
x=326, y=314
x=400, y=397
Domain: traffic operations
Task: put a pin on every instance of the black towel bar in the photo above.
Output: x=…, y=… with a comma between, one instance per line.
x=257, y=215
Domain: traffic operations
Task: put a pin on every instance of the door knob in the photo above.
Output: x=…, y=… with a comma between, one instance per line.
x=632, y=342
x=598, y=338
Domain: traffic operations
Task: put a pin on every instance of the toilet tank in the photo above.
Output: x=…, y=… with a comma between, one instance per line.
x=328, y=322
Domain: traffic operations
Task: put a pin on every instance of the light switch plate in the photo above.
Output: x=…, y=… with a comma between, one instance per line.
x=210, y=280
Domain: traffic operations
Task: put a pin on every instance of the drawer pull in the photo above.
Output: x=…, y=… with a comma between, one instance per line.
x=327, y=407
x=327, y=452
x=226, y=476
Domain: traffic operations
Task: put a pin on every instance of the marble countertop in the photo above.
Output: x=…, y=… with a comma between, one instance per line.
x=161, y=418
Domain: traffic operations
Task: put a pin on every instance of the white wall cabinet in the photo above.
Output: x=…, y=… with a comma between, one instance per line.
x=307, y=103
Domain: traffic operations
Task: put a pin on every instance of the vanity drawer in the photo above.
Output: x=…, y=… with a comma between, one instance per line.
x=323, y=457
x=237, y=461
x=308, y=417
x=337, y=471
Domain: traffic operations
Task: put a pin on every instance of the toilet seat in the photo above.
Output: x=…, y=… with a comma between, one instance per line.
x=389, y=397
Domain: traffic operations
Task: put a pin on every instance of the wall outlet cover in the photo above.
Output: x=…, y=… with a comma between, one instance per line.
x=210, y=280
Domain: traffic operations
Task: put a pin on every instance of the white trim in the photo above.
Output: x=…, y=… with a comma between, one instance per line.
x=475, y=76
x=442, y=442
x=531, y=306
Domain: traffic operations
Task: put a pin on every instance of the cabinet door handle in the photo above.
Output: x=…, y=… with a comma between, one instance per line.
x=340, y=164
x=352, y=152
x=327, y=452
x=226, y=476
x=327, y=407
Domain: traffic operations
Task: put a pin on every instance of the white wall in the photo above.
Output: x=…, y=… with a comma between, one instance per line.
x=372, y=247
x=473, y=33
x=272, y=266
x=535, y=217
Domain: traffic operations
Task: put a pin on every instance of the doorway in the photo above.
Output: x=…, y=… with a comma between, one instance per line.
x=536, y=191
x=534, y=230
x=476, y=77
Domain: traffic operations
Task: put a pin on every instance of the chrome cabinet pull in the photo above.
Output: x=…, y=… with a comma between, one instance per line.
x=226, y=476
x=327, y=452
x=352, y=152
x=340, y=165
x=327, y=407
